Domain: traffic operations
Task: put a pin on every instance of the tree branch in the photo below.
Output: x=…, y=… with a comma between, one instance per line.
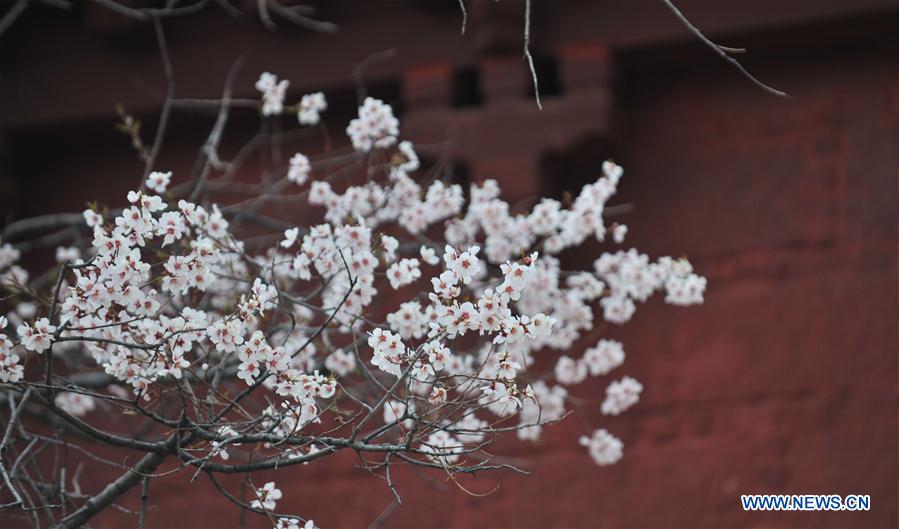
x=723, y=51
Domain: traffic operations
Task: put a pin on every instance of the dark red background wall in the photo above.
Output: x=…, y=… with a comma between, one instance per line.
x=784, y=381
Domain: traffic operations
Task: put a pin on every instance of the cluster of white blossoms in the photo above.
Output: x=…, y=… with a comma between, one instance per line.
x=596, y=361
x=630, y=277
x=165, y=293
x=403, y=272
x=294, y=523
x=621, y=395
x=604, y=448
x=10, y=368
x=311, y=107
x=375, y=128
x=309, y=111
x=273, y=93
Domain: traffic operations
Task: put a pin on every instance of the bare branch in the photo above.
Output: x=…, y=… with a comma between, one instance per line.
x=464, y=15
x=144, y=499
x=723, y=51
x=297, y=17
x=124, y=483
x=527, y=51
x=169, y=96
x=14, y=12
x=365, y=64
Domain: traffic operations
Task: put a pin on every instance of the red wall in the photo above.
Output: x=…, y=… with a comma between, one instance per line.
x=785, y=381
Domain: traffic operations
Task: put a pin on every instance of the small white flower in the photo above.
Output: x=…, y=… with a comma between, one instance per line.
x=290, y=237
x=67, y=254
x=158, y=181
x=465, y=264
x=36, y=337
x=438, y=395
x=311, y=105
x=75, y=403
x=612, y=171
x=92, y=218
x=604, y=448
x=619, y=232
x=429, y=256
x=395, y=410
x=299, y=169
x=403, y=272
x=267, y=497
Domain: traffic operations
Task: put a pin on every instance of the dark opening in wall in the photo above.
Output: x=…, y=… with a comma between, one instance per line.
x=565, y=171
x=466, y=87
x=449, y=171
x=457, y=172
x=548, y=79
x=345, y=99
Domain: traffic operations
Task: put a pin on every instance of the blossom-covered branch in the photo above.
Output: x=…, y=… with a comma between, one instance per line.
x=402, y=323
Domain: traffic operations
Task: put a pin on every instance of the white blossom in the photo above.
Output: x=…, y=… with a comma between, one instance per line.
x=75, y=403
x=604, y=357
x=273, y=92
x=161, y=296
x=299, y=169
x=465, y=264
x=311, y=106
x=619, y=232
x=621, y=395
x=36, y=337
x=92, y=218
x=11, y=370
x=429, y=256
x=266, y=497
x=403, y=272
x=159, y=181
x=67, y=254
x=569, y=371
x=395, y=411
x=604, y=448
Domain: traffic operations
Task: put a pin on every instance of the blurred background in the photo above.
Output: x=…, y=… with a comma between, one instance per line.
x=784, y=381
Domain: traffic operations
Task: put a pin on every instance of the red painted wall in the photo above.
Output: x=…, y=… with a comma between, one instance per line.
x=785, y=381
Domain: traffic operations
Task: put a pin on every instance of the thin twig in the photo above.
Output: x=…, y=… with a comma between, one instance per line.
x=723, y=51
x=359, y=70
x=14, y=12
x=464, y=15
x=300, y=19
x=527, y=51
x=385, y=514
x=95, y=504
x=14, y=417
x=169, y=96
